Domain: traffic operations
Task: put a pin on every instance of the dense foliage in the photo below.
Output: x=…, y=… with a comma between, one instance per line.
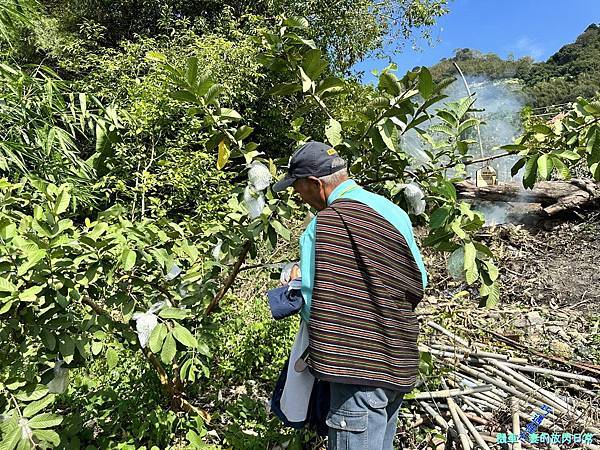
x=570, y=73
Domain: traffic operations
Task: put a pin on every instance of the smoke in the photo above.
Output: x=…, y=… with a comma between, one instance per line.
x=495, y=213
x=501, y=102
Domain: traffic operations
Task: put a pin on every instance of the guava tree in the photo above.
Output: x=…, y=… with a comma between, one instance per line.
x=556, y=147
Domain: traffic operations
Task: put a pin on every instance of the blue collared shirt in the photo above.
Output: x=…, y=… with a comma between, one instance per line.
x=390, y=211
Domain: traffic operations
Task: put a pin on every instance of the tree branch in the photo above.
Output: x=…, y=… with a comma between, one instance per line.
x=230, y=279
x=162, y=374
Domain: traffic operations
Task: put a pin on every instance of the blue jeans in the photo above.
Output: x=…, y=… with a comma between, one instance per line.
x=362, y=417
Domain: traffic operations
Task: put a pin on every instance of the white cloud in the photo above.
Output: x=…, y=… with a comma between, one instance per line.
x=528, y=47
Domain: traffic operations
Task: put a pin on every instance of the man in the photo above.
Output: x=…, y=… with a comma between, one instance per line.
x=362, y=276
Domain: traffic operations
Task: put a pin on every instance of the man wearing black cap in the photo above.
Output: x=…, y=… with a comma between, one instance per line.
x=362, y=276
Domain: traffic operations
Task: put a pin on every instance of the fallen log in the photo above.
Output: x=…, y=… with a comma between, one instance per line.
x=554, y=196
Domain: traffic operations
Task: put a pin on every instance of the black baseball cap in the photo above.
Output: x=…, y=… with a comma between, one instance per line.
x=313, y=159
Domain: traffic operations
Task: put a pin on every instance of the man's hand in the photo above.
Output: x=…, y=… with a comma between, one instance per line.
x=295, y=272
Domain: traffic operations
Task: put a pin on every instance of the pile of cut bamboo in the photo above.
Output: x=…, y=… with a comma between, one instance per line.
x=488, y=396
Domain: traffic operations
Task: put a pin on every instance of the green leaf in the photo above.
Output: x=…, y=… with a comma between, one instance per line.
x=543, y=129
x=568, y=154
x=389, y=83
x=45, y=420
x=518, y=165
x=513, y=147
x=184, y=96
x=169, y=349
x=35, y=407
x=228, y=113
x=155, y=56
x=157, y=337
x=6, y=286
x=97, y=347
x=493, y=296
x=128, y=259
x=544, y=166
x=312, y=64
x=32, y=259
x=472, y=274
x=212, y=93
x=456, y=227
x=203, y=349
x=296, y=22
x=563, y=170
x=386, y=130
x=102, y=140
x=330, y=85
x=483, y=249
x=29, y=395
x=184, y=336
x=285, y=89
x=493, y=271
x=48, y=339
x=192, y=70
x=470, y=255
x=333, y=131
x=30, y=294
x=48, y=436
x=469, y=123
x=439, y=216
x=112, y=358
x=223, y=156
x=11, y=438
x=174, y=313
x=243, y=132
x=380, y=102
x=194, y=439
x=425, y=83
x=281, y=230
x=62, y=201
x=530, y=172
x=67, y=346
x=7, y=229
x=306, y=81
x=447, y=117
x=442, y=128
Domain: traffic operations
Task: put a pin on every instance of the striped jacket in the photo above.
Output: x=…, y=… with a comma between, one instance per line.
x=363, y=329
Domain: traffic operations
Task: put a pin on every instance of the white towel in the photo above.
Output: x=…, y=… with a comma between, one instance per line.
x=298, y=385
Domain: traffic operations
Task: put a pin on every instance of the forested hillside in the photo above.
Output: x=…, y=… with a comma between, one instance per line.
x=571, y=72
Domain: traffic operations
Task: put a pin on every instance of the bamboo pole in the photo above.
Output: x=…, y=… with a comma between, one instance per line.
x=451, y=335
x=470, y=403
x=475, y=418
x=525, y=389
x=474, y=407
x=516, y=426
x=501, y=385
x=479, y=353
x=517, y=393
x=556, y=373
x=469, y=425
x=484, y=402
x=462, y=434
x=446, y=393
x=434, y=415
x=530, y=383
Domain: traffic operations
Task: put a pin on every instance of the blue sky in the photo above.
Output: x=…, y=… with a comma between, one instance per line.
x=536, y=28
